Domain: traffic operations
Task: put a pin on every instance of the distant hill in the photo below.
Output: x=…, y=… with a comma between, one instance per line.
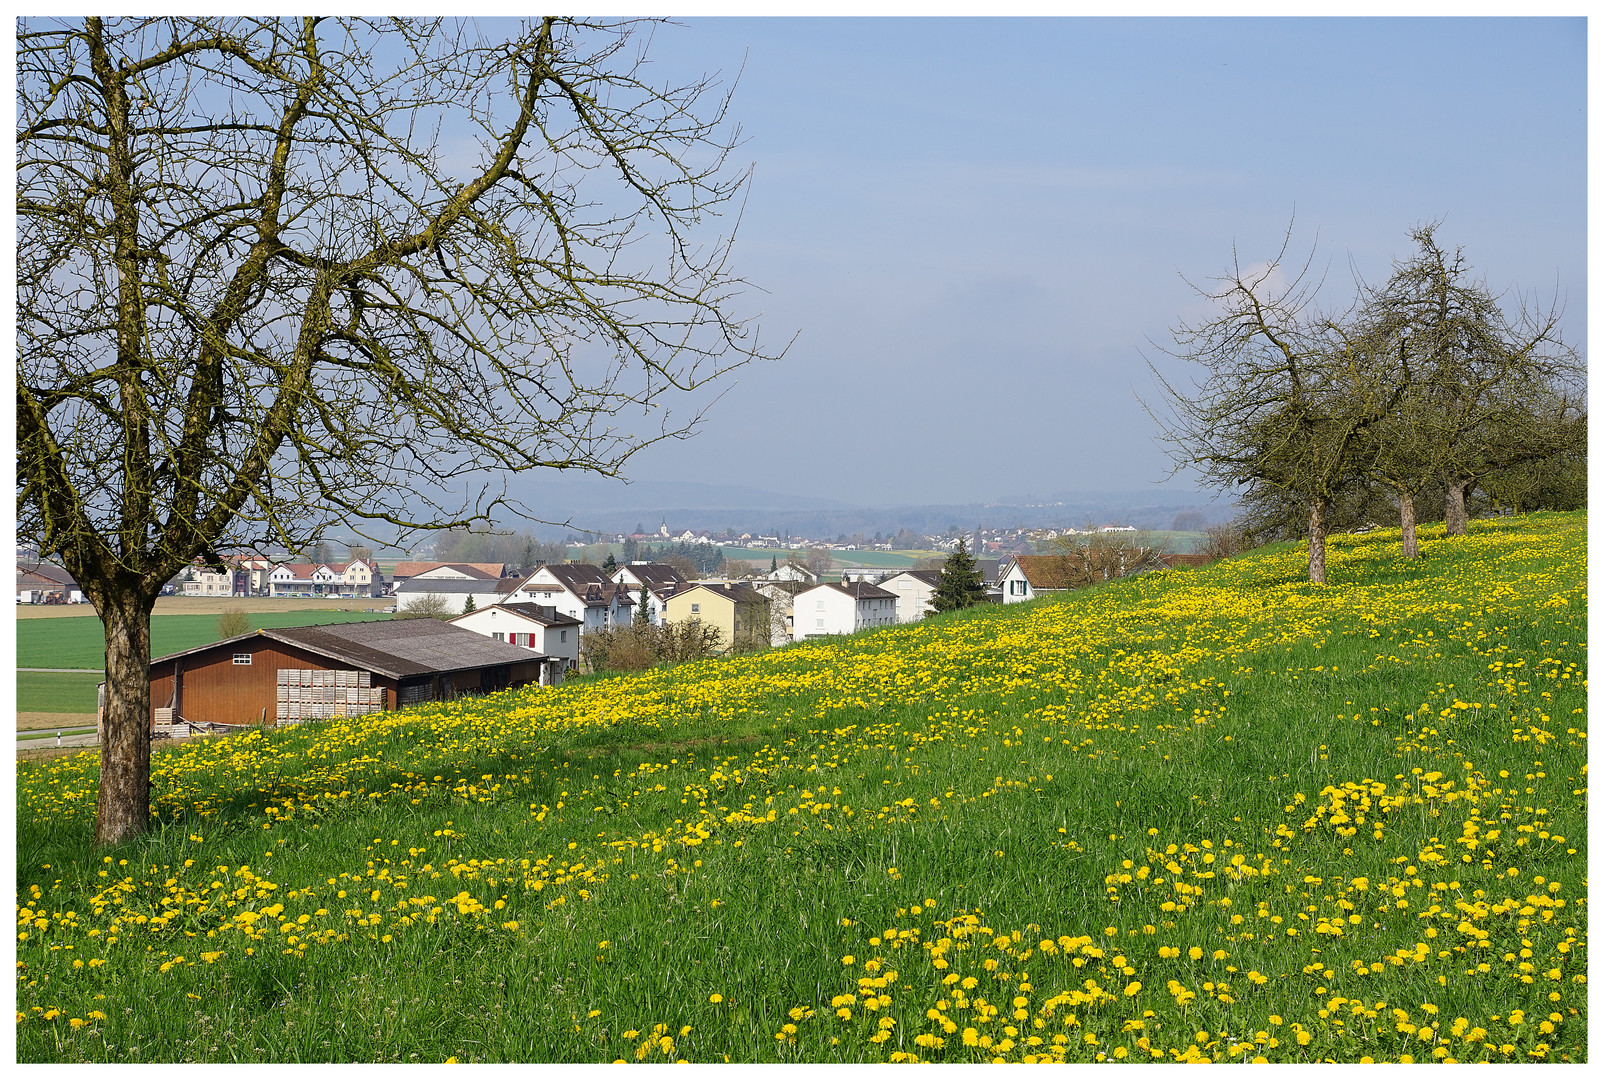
x=614, y=508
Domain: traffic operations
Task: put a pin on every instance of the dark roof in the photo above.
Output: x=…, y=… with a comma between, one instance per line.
x=929, y=577
x=576, y=576
x=653, y=574
x=988, y=569
x=398, y=648
x=543, y=614
x=861, y=590
x=741, y=594
x=47, y=572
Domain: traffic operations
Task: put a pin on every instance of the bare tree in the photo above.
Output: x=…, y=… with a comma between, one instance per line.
x=278, y=273
x=1488, y=392
x=1289, y=395
x=232, y=623
x=1086, y=558
x=428, y=606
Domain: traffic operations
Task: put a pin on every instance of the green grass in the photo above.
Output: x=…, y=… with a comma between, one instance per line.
x=57, y=692
x=1363, y=802
x=81, y=642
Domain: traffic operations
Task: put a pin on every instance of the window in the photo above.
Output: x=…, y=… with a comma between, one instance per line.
x=819, y=623
x=242, y=658
x=695, y=608
x=562, y=635
x=498, y=636
x=818, y=605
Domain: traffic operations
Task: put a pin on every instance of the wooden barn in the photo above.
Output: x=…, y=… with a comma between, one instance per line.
x=284, y=676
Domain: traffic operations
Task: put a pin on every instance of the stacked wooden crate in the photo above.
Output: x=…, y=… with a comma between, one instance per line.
x=309, y=694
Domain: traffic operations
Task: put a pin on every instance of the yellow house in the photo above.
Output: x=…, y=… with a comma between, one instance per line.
x=740, y=612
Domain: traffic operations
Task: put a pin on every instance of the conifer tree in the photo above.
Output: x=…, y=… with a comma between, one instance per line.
x=643, y=611
x=469, y=605
x=959, y=585
x=610, y=564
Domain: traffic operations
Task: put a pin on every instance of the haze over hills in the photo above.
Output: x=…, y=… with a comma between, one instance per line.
x=605, y=507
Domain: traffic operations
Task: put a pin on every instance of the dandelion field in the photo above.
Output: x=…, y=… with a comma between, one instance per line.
x=1219, y=814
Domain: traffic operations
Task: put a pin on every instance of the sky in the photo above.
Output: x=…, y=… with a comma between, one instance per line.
x=979, y=230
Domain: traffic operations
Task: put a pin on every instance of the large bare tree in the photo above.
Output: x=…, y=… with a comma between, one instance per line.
x=1490, y=390
x=1288, y=396
x=276, y=273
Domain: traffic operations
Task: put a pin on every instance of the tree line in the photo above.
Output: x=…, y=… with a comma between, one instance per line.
x=1421, y=392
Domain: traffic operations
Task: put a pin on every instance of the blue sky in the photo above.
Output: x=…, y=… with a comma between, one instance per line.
x=977, y=227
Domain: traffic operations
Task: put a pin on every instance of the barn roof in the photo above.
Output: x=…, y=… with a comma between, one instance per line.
x=400, y=648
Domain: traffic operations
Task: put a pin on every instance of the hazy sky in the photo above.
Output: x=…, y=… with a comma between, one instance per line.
x=976, y=226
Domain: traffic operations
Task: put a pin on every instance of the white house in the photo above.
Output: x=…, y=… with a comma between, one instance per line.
x=456, y=592
x=661, y=582
x=914, y=590
x=533, y=626
x=792, y=572
x=580, y=591
x=834, y=608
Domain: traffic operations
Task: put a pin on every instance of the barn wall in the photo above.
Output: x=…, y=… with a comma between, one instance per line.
x=215, y=689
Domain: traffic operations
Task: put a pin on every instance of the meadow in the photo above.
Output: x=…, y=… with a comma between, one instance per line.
x=1217, y=814
x=81, y=642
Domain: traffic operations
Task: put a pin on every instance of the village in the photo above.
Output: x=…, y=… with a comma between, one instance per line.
x=464, y=628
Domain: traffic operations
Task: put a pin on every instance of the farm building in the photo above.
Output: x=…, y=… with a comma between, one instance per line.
x=533, y=626
x=297, y=673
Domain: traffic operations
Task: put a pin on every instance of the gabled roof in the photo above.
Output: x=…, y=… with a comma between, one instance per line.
x=47, y=572
x=930, y=577
x=1049, y=571
x=537, y=613
x=740, y=594
x=413, y=569
x=859, y=590
x=576, y=576
x=652, y=574
x=399, y=648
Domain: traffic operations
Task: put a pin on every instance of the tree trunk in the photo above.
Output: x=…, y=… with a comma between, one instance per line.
x=1317, y=541
x=1406, y=516
x=1454, y=507
x=123, y=809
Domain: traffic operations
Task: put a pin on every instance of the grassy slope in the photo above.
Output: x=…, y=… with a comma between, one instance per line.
x=1221, y=814
x=80, y=642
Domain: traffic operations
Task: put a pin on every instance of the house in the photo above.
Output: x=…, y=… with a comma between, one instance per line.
x=578, y=590
x=843, y=608
x=660, y=581
x=1025, y=577
x=739, y=612
x=792, y=572
x=405, y=571
x=532, y=626
x=206, y=581
x=41, y=583
x=295, y=673
x=782, y=599
x=456, y=591
x=914, y=590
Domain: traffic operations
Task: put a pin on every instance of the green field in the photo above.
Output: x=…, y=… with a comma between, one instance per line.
x=1200, y=815
x=81, y=642
x=56, y=692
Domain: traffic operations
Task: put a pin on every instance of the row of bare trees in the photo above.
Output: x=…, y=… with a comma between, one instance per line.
x=1424, y=384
